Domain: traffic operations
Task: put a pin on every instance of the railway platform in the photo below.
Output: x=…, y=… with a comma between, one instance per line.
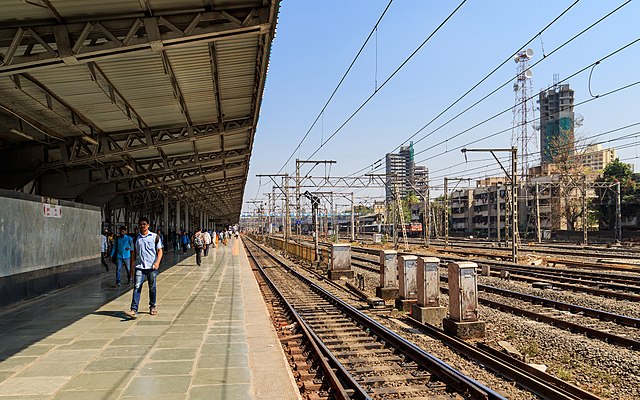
x=212, y=338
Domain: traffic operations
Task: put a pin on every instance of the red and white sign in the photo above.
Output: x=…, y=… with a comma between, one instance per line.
x=51, y=211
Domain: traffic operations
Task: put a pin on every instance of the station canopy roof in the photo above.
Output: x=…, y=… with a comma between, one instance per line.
x=126, y=101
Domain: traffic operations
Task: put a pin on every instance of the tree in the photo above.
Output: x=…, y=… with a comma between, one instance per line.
x=615, y=172
x=408, y=200
x=361, y=209
x=572, y=174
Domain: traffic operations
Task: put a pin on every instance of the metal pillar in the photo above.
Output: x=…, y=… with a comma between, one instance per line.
x=585, y=239
x=298, y=208
x=538, y=227
x=498, y=213
x=270, y=212
x=446, y=213
x=186, y=216
x=427, y=216
x=353, y=219
x=514, y=204
x=287, y=227
x=165, y=216
x=178, y=225
x=618, y=214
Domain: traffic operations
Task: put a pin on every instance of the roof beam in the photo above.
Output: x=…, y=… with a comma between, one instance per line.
x=95, y=40
x=114, y=95
x=162, y=167
x=168, y=179
x=177, y=93
x=78, y=152
x=213, y=54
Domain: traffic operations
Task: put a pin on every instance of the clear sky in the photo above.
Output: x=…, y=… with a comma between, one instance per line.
x=316, y=41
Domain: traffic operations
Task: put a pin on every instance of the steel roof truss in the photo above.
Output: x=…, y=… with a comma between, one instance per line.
x=94, y=40
x=125, y=143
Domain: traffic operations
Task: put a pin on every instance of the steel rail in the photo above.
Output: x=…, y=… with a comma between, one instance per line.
x=573, y=327
x=460, y=382
x=505, y=264
x=325, y=357
x=558, y=305
x=542, y=384
x=562, y=306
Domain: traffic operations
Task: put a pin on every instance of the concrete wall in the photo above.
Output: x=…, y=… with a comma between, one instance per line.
x=39, y=253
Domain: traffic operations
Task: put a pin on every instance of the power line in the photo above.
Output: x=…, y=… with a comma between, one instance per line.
x=387, y=80
x=529, y=98
x=504, y=130
x=374, y=29
x=501, y=86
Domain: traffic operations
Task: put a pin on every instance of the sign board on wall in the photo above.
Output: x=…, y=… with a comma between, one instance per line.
x=51, y=211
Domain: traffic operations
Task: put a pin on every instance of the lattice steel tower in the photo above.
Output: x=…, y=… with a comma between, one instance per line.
x=522, y=135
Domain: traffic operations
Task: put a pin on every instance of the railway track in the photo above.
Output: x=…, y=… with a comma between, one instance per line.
x=382, y=363
x=579, y=283
x=609, y=327
x=386, y=365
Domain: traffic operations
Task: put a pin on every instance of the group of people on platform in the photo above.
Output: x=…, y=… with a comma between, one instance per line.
x=140, y=253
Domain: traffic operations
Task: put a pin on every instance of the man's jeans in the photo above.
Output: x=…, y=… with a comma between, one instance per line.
x=142, y=275
x=199, y=255
x=121, y=262
x=206, y=249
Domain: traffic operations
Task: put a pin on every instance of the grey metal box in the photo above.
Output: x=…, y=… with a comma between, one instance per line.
x=340, y=257
x=428, y=279
x=463, y=291
x=388, y=268
x=407, y=277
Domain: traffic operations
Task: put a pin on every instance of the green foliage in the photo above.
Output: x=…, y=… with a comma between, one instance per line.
x=616, y=172
x=564, y=374
x=363, y=210
x=408, y=200
x=532, y=349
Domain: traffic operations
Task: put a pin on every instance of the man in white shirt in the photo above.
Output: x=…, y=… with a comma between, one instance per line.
x=207, y=242
x=104, y=248
x=147, y=255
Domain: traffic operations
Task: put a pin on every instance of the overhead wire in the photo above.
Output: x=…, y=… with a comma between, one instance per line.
x=372, y=165
x=611, y=54
x=326, y=104
x=388, y=79
x=504, y=130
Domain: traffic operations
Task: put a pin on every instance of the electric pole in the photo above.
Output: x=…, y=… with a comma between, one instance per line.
x=513, y=179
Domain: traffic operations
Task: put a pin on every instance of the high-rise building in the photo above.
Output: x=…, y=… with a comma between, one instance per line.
x=409, y=175
x=556, y=123
x=597, y=158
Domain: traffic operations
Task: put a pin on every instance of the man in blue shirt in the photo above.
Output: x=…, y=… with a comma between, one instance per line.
x=147, y=253
x=122, y=247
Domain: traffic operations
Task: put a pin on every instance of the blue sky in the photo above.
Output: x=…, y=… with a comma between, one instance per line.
x=316, y=41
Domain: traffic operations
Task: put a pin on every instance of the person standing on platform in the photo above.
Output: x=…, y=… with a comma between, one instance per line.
x=198, y=244
x=121, y=254
x=159, y=232
x=104, y=247
x=207, y=242
x=184, y=240
x=147, y=255
x=175, y=241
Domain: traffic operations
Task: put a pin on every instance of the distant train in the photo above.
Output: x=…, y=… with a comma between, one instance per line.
x=413, y=229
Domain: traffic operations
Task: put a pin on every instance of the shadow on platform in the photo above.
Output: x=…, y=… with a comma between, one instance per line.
x=30, y=322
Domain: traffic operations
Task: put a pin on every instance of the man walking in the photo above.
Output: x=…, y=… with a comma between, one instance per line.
x=207, y=242
x=184, y=240
x=104, y=247
x=121, y=249
x=148, y=254
x=198, y=244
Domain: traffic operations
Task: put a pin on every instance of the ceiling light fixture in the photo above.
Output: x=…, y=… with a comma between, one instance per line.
x=129, y=167
x=89, y=140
